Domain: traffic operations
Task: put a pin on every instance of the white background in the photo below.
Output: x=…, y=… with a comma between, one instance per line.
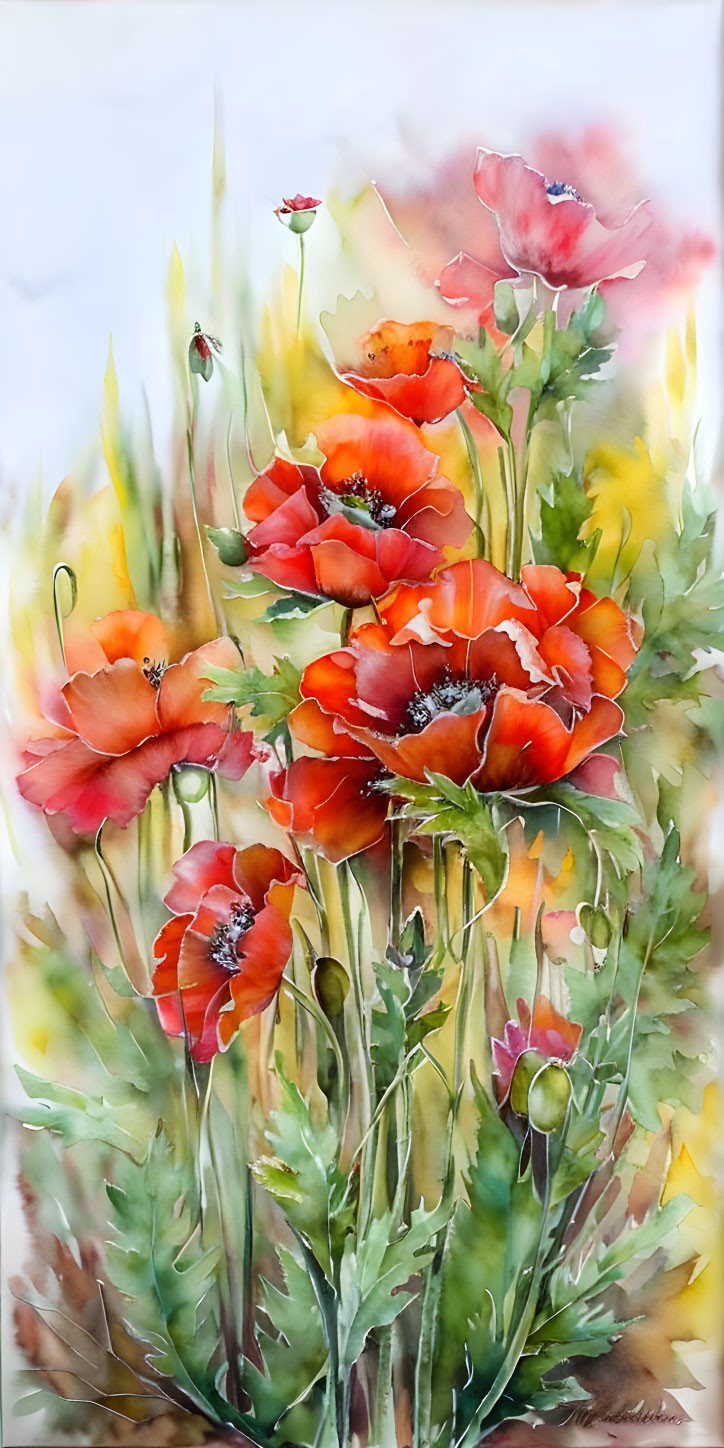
x=106, y=125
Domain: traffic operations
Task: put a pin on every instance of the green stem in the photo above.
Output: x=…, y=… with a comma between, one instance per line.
x=301, y=281
x=474, y=460
x=396, y=862
x=195, y=510
x=232, y=486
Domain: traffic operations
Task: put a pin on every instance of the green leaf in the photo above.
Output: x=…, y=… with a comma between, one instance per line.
x=491, y=1245
x=230, y=545
x=307, y=1178
x=442, y=807
x=77, y=1116
x=680, y=589
x=564, y=508
x=480, y=363
x=611, y=826
x=271, y=696
x=294, y=605
x=375, y=1270
x=294, y=1351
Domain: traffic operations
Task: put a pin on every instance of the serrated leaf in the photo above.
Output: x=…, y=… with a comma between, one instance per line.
x=270, y=696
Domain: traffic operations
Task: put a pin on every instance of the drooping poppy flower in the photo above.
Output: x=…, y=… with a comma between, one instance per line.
x=548, y=230
x=475, y=677
x=409, y=366
x=375, y=514
x=122, y=728
x=330, y=803
x=546, y=1032
x=221, y=957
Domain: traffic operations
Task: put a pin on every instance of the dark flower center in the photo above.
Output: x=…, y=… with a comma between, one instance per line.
x=154, y=670
x=224, y=947
x=364, y=505
x=561, y=188
x=450, y=695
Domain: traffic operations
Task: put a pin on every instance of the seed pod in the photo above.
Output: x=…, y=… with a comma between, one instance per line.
x=548, y=1097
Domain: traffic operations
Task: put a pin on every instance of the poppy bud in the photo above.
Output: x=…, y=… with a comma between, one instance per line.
x=201, y=352
x=331, y=986
x=548, y=1097
x=527, y=1067
x=190, y=784
x=298, y=212
x=597, y=926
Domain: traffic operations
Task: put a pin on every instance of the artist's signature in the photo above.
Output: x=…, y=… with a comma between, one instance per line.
x=587, y=1419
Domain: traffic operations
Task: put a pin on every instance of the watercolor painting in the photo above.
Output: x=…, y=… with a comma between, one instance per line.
x=363, y=749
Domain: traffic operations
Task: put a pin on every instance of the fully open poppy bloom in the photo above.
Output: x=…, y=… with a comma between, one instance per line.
x=221, y=958
x=547, y=1032
x=478, y=678
x=376, y=513
x=330, y=803
x=121, y=729
x=547, y=230
x=407, y=367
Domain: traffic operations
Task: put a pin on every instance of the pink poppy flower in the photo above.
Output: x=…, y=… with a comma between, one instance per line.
x=546, y=1031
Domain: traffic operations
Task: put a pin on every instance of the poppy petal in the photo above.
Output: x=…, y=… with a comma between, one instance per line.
x=114, y=709
x=131, y=634
x=207, y=863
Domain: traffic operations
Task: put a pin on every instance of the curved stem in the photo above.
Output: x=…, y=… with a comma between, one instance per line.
x=70, y=575
x=314, y=1010
x=194, y=506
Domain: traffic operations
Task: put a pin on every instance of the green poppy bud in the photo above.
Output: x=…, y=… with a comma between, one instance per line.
x=548, y=1097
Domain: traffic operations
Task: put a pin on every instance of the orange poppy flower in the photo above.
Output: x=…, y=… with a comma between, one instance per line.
x=122, y=729
x=221, y=957
x=478, y=678
x=411, y=368
x=375, y=514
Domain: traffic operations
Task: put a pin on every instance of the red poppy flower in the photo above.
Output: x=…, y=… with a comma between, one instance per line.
x=329, y=803
x=375, y=514
x=407, y=367
x=221, y=958
x=548, y=230
x=547, y=1032
x=300, y=203
x=478, y=678
x=125, y=726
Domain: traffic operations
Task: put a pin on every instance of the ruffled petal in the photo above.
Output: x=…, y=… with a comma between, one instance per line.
x=447, y=745
x=131, y=634
x=207, y=863
x=113, y=710
x=527, y=743
x=312, y=726
x=330, y=804
x=569, y=658
x=180, y=696
x=287, y=524
x=257, y=868
x=387, y=451
x=267, y=492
